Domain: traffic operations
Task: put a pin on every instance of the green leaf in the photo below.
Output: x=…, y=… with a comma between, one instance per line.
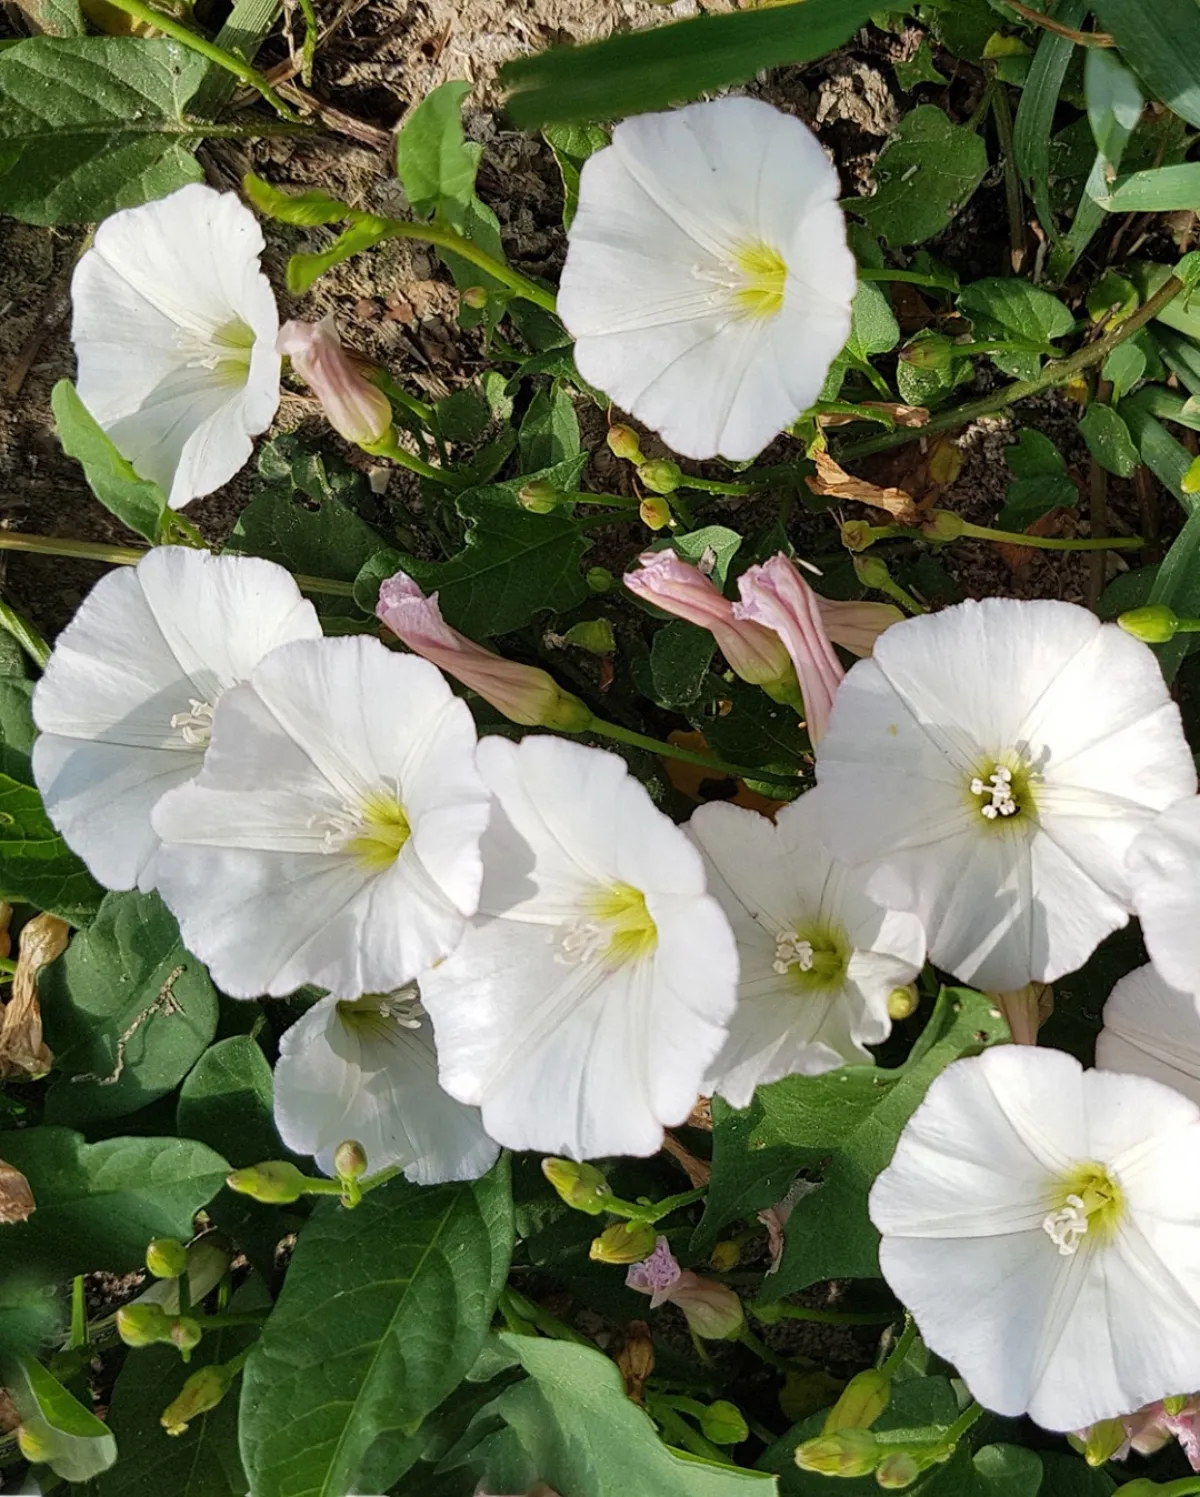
x=1033, y=129
x=135, y=501
x=1034, y=455
x=384, y=1310
x=307, y=267
x=1071, y=1476
x=304, y=209
x=1028, y=499
x=550, y=431
x=873, y=325
x=925, y=174
x=1178, y=585
x=55, y=17
x=513, y=566
x=1124, y=367
x=1166, y=458
x=463, y=417
x=716, y=543
x=636, y=71
x=572, y=145
x=72, y=1441
x=920, y=68
x=963, y=27
x=1160, y=191
x=98, y=1205
x=1114, y=103
x=842, y=1128
x=35, y=863
x=754, y=730
x=433, y=159
x=92, y=124
x=679, y=660
x=1017, y=308
x=570, y=1424
x=1109, y=441
x=127, y=1006
x=1161, y=43
x=31, y=1316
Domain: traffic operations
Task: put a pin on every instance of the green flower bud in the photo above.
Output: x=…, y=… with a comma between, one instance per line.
x=624, y=1242
x=274, y=1182
x=661, y=475
x=593, y=635
x=861, y=1402
x=600, y=580
x=897, y=1471
x=856, y=536
x=166, y=1258
x=724, y=1424
x=725, y=1255
x=581, y=1186
x=1154, y=625
x=185, y=1334
x=143, y=1324
x=943, y=526
x=203, y=1391
x=539, y=497
x=476, y=297
x=932, y=351
x=1103, y=1440
x=871, y=571
x=655, y=513
x=623, y=443
x=350, y=1160
x=902, y=1002
x=849, y=1452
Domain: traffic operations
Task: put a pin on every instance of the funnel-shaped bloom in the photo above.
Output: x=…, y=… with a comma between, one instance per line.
x=126, y=703
x=523, y=693
x=708, y=283
x=1152, y=1029
x=174, y=328
x=357, y=409
x=1164, y=869
x=367, y=1070
x=332, y=836
x=777, y=597
x=818, y=958
x=990, y=766
x=1036, y=1220
x=592, y=990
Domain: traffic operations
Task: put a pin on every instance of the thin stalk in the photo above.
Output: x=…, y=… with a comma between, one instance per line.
x=1051, y=543
x=779, y=1311
x=447, y=238
x=623, y=501
x=79, y=1326
x=762, y=1351
x=309, y=45
x=1080, y=38
x=396, y=392
x=231, y=1318
x=680, y=1433
x=655, y=1213
x=716, y=486
x=891, y=1363
x=705, y=761
x=1060, y=372
x=25, y=635
x=186, y=37
x=962, y=1424
x=548, y=1324
x=390, y=448
x=907, y=277
x=1002, y=114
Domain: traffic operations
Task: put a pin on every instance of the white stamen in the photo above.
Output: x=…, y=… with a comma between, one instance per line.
x=998, y=787
x=583, y=940
x=407, y=1012
x=339, y=828
x=195, y=725
x=1064, y=1228
x=791, y=951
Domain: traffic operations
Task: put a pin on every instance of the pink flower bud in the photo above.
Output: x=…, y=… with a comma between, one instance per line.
x=674, y=585
x=359, y=410
x=523, y=693
x=777, y=597
x=712, y=1311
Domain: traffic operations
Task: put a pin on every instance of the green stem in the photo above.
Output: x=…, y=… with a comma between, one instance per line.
x=907, y=277
x=762, y=1351
x=962, y=1424
x=25, y=635
x=577, y=496
x=186, y=37
x=1060, y=372
x=705, y=761
x=1051, y=543
x=779, y=1311
x=1002, y=114
x=231, y=1318
x=548, y=1324
x=309, y=45
x=680, y=1433
x=716, y=486
x=390, y=448
x=656, y=1212
x=79, y=1327
x=396, y=392
x=447, y=238
x=891, y=1363
x=7, y=966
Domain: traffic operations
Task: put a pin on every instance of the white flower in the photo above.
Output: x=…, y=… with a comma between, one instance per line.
x=1164, y=869
x=333, y=834
x=126, y=703
x=990, y=765
x=367, y=1070
x=174, y=328
x=818, y=957
x=593, y=988
x=1152, y=1029
x=708, y=283
x=1041, y=1224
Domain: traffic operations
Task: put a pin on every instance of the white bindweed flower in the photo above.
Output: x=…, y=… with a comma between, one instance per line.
x=1039, y=1222
x=1164, y=869
x=367, y=1070
x=1152, y=1029
x=174, y=327
x=989, y=768
x=125, y=706
x=708, y=282
x=818, y=957
x=593, y=988
x=332, y=836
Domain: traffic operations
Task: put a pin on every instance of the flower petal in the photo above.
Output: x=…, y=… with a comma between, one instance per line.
x=1152, y=1029
x=1164, y=873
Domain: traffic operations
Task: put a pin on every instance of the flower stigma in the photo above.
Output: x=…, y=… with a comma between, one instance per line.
x=750, y=282
x=616, y=928
x=1089, y=1203
x=195, y=725
x=225, y=350
x=814, y=957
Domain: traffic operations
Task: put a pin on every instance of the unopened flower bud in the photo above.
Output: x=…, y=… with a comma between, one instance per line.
x=870, y=570
x=724, y=1424
x=943, y=526
x=274, y=1182
x=856, y=536
x=143, y=1324
x=186, y=1335
x=600, y=580
x=635, y=1358
x=623, y=443
x=661, y=475
x=624, y=1242
x=897, y=1471
x=725, y=1256
x=1154, y=625
x=476, y=297
x=581, y=1186
x=860, y=1402
x=593, y=635
x=350, y=1160
x=1103, y=1440
x=932, y=351
x=166, y=1258
x=902, y=1003
x=540, y=497
x=849, y=1452
x=655, y=512
x=203, y=1391
x=356, y=408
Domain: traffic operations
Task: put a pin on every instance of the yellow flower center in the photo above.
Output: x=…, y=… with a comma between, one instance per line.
x=632, y=934
x=812, y=956
x=374, y=833
x=1001, y=792
x=1086, y=1202
x=764, y=275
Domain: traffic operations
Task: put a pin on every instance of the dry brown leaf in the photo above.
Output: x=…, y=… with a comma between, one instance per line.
x=692, y=780
x=832, y=480
x=635, y=1358
x=16, y=1198
x=1020, y=559
x=698, y=1171
x=23, y=1051
x=902, y=415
